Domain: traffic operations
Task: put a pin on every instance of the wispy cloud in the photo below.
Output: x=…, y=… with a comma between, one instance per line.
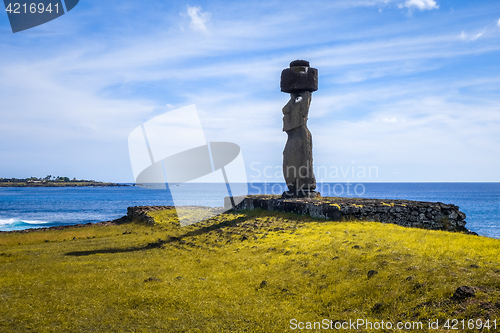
x=436, y=131
x=392, y=88
x=471, y=38
x=390, y=120
x=198, y=18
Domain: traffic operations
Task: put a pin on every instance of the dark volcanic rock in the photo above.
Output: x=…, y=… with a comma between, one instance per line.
x=378, y=307
x=463, y=293
x=152, y=279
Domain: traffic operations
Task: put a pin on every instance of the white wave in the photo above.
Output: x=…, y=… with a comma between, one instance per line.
x=34, y=222
x=13, y=221
x=8, y=221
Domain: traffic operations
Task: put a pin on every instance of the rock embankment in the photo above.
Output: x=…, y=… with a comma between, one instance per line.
x=416, y=214
x=141, y=213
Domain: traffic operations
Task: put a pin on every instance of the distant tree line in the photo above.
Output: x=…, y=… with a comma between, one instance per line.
x=46, y=179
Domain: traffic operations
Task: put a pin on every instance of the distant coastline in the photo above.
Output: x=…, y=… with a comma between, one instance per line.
x=50, y=181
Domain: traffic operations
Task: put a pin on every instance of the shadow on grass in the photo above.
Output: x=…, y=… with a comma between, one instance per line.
x=118, y=250
x=161, y=242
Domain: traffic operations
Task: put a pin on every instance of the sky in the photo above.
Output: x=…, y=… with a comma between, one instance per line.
x=409, y=90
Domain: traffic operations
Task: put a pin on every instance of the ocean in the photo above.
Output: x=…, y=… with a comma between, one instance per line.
x=23, y=208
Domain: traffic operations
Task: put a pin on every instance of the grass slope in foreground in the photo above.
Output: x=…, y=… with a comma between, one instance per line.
x=249, y=271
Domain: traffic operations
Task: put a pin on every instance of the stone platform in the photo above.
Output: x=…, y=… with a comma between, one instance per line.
x=416, y=214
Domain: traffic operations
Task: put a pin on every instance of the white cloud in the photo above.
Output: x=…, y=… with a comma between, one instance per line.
x=198, y=19
x=460, y=128
x=390, y=120
x=498, y=23
x=421, y=4
x=477, y=36
x=464, y=36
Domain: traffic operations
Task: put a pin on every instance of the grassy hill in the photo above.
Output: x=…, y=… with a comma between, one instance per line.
x=250, y=271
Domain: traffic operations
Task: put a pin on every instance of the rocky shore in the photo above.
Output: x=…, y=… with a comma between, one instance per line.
x=133, y=213
x=121, y=220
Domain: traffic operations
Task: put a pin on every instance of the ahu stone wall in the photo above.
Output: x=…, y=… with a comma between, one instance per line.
x=417, y=214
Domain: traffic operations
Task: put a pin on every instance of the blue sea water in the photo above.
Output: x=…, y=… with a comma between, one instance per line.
x=23, y=208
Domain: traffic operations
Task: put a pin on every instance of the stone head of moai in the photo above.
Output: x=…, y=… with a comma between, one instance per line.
x=300, y=80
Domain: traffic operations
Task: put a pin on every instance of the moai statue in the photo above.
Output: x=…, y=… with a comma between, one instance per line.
x=299, y=81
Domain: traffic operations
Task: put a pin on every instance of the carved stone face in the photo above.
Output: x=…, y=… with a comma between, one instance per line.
x=296, y=110
x=303, y=97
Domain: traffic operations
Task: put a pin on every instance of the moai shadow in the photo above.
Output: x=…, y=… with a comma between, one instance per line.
x=299, y=81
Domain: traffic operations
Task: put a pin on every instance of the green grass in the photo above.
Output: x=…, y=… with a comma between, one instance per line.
x=208, y=277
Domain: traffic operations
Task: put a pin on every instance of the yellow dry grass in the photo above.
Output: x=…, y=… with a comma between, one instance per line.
x=249, y=271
